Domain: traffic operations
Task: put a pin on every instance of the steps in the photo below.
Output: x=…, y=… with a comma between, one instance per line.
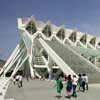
x=39, y=60
x=77, y=63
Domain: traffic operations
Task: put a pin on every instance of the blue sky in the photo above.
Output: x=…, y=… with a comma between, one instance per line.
x=81, y=14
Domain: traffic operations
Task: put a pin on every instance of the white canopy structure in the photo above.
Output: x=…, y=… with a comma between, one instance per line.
x=70, y=50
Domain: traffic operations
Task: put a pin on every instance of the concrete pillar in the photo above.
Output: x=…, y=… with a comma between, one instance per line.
x=50, y=62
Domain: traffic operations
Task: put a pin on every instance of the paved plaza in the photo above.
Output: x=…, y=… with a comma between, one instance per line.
x=45, y=90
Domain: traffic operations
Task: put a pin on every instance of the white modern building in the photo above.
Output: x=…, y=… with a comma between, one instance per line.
x=45, y=45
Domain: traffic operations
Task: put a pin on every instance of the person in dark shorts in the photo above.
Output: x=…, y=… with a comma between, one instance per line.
x=69, y=87
x=83, y=82
x=75, y=79
x=80, y=81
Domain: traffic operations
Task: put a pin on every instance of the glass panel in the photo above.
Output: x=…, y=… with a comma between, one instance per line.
x=93, y=41
x=99, y=43
x=73, y=37
x=61, y=34
x=31, y=28
x=83, y=39
x=47, y=30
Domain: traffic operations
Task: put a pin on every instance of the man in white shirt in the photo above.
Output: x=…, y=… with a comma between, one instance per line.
x=84, y=82
x=19, y=80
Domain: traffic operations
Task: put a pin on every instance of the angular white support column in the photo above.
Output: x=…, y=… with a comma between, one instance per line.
x=49, y=68
x=30, y=61
x=31, y=68
x=10, y=58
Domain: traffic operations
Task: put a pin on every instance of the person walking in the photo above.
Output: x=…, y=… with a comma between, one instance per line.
x=74, y=83
x=69, y=87
x=59, y=86
x=83, y=82
x=79, y=81
x=19, y=80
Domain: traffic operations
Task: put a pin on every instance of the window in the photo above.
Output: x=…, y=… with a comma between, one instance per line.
x=84, y=39
x=61, y=34
x=31, y=28
x=99, y=44
x=93, y=41
x=73, y=37
x=47, y=30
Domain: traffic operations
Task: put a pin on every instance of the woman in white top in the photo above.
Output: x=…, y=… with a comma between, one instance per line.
x=74, y=83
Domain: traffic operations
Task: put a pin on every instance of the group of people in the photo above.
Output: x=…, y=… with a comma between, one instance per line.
x=71, y=83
